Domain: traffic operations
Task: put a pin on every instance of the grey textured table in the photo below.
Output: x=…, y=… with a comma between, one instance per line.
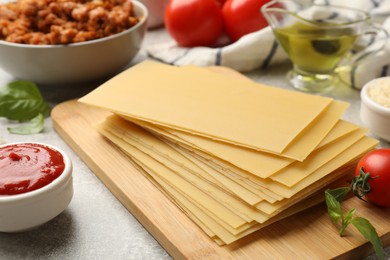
x=96, y=225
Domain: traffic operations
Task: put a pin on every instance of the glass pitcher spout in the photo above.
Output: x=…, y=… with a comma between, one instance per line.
x=309, y=13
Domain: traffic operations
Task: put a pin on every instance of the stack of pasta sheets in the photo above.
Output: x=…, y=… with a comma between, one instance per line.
x=233, y=154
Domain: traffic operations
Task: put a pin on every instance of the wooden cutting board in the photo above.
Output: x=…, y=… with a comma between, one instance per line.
x=306, y=235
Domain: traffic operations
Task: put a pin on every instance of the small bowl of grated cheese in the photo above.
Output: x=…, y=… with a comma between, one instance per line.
x=375, y=107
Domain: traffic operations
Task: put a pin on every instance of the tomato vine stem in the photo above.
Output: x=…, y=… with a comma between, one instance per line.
x=360, y=185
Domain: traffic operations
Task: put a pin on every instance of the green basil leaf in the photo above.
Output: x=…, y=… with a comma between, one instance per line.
x=349, y=215
x=340, y=193
x=347, y=219
x=334, y=207
x=34, y=126
x=369, y=232
x=22, y=100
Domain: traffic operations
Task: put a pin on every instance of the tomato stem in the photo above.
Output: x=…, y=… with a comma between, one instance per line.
x=360, y=185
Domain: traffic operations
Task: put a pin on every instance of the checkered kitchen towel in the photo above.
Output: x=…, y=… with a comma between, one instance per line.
x=260, y=50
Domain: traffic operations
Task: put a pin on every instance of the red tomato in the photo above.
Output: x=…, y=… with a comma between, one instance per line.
x=242, y=17
x=194, y=22
x=221, y=2
x=376, y=185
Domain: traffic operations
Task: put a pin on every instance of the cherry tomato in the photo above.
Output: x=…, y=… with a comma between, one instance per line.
x=242, y=17
x=194, y=22
x=372, y=177
x=221, y=2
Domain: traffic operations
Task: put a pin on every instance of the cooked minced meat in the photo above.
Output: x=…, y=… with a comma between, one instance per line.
x=64, y=21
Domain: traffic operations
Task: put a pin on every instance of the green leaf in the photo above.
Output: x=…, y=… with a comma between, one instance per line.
x=34, y=126
x=347, y=218
x=369, y=232
x=339, y=193
x=22, y=101
x=349, y=215
x=334, y=207
x=333, y=202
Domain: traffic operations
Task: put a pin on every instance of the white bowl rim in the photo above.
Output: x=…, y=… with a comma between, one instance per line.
x=137, y=4
x=66, y=173
x=370, y=102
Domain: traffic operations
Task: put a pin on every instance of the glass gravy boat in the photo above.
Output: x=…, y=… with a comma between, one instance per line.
x=316, y=38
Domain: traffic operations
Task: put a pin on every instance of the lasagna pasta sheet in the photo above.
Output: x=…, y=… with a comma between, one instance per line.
x=206, y=103
x=233, y=154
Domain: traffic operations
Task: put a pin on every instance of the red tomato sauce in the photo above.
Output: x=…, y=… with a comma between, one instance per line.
x=28, y=166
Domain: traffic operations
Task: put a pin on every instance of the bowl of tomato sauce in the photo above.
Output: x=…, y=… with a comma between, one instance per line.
x=35, y=185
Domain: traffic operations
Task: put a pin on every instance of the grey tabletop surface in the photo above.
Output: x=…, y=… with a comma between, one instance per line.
x=96, y=225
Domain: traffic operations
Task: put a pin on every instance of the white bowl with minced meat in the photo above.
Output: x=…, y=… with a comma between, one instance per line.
x=62, y=42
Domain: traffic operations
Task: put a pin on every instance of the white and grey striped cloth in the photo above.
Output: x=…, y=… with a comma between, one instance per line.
x=259, y=50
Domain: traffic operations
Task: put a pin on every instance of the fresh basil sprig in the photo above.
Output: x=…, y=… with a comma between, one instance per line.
x=333, y=201
x=22, y=101
x=34, y=126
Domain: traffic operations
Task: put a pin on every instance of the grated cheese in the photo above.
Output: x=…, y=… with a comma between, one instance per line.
x=380, y=92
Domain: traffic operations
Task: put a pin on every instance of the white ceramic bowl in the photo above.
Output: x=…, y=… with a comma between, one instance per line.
x=28, y=210
x=375, y=116
x=77, y=62
x=156, y=10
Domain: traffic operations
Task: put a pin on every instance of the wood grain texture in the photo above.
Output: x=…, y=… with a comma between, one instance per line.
x=307, y=235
